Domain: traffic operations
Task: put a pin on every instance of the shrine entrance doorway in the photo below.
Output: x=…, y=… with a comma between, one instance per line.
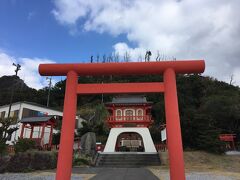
x=129, y=142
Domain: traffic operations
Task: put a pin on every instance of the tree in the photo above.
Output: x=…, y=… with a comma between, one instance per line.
x=116, y=57
x=6, y=130
x=231, y=80
x=148, y=55
x=127, y=57
x=92, y=59
x=96, y=121
x=207, y=135
x=158, y=56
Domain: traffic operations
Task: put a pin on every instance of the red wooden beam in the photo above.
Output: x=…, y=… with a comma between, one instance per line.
x=123, y=68
x=120, y=88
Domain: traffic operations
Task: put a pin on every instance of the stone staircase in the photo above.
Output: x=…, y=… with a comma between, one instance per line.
x=125, y=160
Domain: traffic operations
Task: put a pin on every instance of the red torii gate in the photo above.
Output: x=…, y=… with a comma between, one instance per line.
x=169, y=69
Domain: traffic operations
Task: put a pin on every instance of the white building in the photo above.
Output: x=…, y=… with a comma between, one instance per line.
x=25, y=109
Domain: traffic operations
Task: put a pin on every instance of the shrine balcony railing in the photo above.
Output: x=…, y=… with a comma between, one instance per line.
x=129, y=119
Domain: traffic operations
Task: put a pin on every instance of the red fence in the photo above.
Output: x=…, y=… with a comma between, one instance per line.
x=147, y=118
x=161, y=147
x=227, y=137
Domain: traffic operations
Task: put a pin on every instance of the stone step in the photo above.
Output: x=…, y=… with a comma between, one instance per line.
x=128, y=154
x=132, y=163
x=140, y=161
x=130, y=158
x=127, y=160
x=121, y=166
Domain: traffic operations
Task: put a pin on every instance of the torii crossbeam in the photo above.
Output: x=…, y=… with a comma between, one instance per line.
x=169, y=69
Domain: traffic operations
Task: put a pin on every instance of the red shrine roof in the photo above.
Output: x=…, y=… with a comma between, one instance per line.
x=129, y=99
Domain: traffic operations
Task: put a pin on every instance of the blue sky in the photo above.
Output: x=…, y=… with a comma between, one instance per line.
x=30, y=30
x=70, y=31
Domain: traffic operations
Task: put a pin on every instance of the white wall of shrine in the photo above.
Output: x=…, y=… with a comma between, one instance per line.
x=144, y=132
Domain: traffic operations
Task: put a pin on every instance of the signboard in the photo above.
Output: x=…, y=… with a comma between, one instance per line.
x=227, y=137
x=163, y=135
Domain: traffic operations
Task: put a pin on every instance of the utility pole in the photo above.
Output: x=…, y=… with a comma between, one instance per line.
x=18, y=68
x=49, y=89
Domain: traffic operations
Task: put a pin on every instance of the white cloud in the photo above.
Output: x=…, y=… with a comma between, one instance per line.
x=122, y=48
x=186, y=29
x=29, y=69
x=6, y=67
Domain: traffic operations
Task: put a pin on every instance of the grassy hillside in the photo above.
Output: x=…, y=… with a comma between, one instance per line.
x=207, y=107
x=204, y=161
x=21, y=90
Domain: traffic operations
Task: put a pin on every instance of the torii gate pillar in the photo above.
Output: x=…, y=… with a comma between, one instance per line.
x=174, y=139
x=65, y=154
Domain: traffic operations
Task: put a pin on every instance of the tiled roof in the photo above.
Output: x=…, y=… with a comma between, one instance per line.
x=36, y=119
x=129, y=99
x=31, y=103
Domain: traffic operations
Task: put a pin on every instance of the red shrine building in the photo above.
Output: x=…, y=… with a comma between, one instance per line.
x=41, y=124
x=129, y=120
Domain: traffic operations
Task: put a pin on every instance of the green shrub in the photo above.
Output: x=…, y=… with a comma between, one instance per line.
x=56, y=139
x=3, y=148
x=22, y=145
x=4, y=163
x=29, y=161
x=43, y=160
x=19, y=163
x=102, y=139
x=79, y=160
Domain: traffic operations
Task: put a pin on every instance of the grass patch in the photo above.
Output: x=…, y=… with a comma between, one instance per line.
x=204, y=161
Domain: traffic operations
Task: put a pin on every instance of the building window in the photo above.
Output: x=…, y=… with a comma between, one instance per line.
x=2, y=114
x=129, y=114
x=139, y=114
x=14, y=114
x=118, y=114
x=32, y=113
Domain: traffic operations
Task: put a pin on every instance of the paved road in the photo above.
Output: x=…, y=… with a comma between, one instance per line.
x=31, y=176
x=117, y=173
